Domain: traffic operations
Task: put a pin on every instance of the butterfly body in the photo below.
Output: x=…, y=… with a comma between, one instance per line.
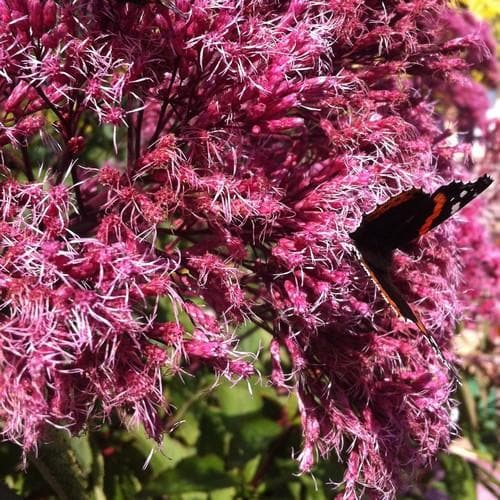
x=399, y=221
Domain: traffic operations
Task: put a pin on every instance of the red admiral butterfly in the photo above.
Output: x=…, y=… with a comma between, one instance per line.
x=400, y=220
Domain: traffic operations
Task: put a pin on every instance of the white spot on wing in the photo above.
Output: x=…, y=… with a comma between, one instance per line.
x=455, y=207
x=463, y=194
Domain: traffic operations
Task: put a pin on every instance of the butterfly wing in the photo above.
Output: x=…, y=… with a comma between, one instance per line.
x=451, y=198
x=394, y=223
x=413, y=213
x=378, y=268
x=382, y=279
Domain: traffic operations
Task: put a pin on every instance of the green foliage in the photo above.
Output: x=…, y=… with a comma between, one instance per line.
x=459, y=478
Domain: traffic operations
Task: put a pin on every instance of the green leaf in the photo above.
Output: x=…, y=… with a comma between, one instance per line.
x=123, y=487
x=257, y=432
x=97, y=472
x=189, y=392
x=467, y=392
x=252, y=436
x=251, y=467
x=459, y=478
x=174, y=452
x=83, y=453
x=313, y=492
x=169, y=312
x=192, y=496
x=223, y=494
x=294, y=487
x=170, y=454
x=188, y=431
x=253, y=338
x=57, y=464
x=214, y=437
x=236, y=400
x=194, y=474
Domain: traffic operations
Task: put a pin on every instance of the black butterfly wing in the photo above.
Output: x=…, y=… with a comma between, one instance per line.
x=378, y=268
x=391, y=225
x=382, y=279
x=394, y=223
x=411, y=214
x=451, y=198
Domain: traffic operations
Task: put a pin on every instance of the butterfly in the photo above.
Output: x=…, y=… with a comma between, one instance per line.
x=401, y=220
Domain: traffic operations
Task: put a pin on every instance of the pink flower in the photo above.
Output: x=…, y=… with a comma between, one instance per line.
x=75, y=316
x=215, y=156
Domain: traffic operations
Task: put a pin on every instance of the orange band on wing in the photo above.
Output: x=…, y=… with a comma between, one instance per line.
x=439, y=200
x=390, y=203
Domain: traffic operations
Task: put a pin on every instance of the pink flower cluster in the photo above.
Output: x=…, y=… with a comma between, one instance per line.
x=78, y=317
x=209, y=158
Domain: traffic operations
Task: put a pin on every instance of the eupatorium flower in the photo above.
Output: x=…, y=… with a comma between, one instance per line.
x=214, y=155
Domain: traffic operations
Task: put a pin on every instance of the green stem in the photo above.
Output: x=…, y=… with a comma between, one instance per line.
x=57, y=464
